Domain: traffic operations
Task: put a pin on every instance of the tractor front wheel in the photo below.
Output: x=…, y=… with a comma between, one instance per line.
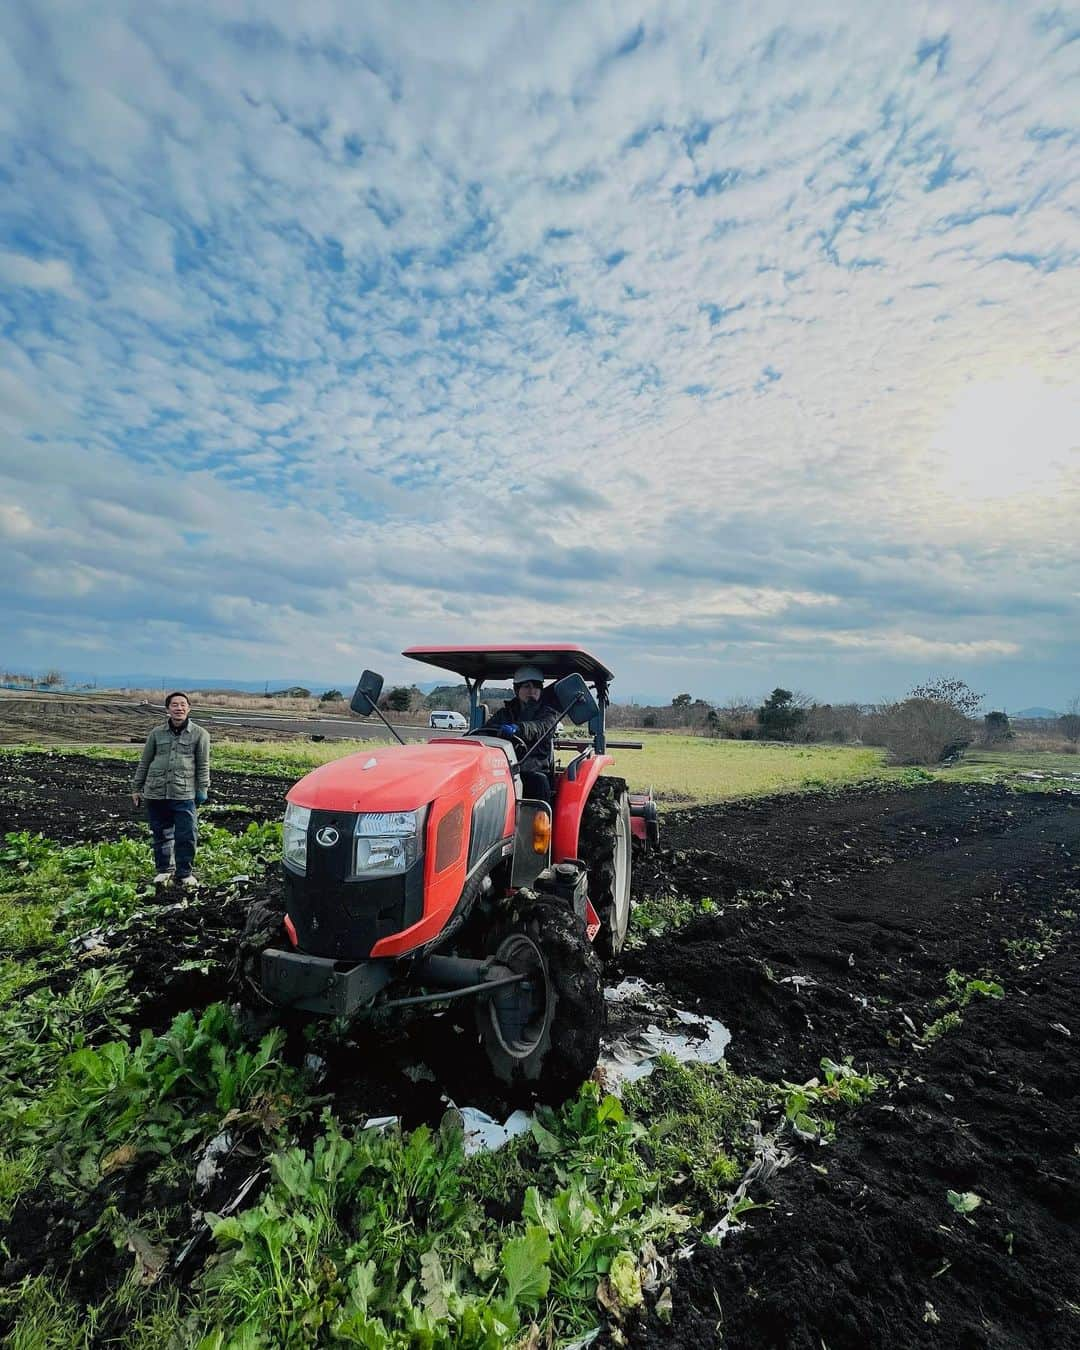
x=604, y=843
x=542, y=1035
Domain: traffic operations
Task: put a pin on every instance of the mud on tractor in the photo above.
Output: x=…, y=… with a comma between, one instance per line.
x=418, y=873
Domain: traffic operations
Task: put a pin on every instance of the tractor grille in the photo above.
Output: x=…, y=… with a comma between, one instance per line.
x=341, y=918
x=488, y=821
x=344, y=920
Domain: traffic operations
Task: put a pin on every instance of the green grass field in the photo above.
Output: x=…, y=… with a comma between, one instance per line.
x=679, y=769
x=682, y=770
x=1034, y=769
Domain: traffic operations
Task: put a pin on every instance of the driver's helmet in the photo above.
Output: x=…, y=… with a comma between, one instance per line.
x=525, y=673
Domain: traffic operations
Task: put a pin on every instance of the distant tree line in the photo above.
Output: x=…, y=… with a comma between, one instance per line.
x=936, y=721
x=408, y=699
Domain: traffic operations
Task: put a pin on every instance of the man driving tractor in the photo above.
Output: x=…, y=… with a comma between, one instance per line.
x=530, y=716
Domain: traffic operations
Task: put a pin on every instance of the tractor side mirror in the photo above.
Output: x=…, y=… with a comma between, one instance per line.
x=574, y=699
x=366, y=698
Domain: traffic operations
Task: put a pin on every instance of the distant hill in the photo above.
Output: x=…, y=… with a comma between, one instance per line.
x=79, y=680
x=1034, y=715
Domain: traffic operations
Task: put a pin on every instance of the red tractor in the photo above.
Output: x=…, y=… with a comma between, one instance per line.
x=418, y=873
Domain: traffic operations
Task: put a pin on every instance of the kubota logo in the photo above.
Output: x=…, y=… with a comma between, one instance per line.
x=327, y=836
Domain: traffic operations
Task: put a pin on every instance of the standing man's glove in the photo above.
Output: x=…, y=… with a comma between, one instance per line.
x=511, y=728
x=200, y=798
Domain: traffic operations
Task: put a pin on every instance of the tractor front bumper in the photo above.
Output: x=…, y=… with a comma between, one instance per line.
x=320, y=985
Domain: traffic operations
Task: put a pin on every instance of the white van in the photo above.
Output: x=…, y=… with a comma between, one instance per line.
x=447, y=721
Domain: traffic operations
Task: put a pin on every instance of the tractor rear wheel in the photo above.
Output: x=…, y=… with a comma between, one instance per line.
x=543, y=1036
x=604, y=843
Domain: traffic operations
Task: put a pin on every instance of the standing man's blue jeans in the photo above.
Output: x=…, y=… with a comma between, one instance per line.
x=175, y=827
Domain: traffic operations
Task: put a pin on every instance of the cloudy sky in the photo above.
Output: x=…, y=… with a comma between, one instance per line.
x=736, y=342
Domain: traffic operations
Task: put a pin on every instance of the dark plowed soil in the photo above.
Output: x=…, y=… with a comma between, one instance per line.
x=837, y=922
x=73, y=799
x=56, y=720
x=875, y=898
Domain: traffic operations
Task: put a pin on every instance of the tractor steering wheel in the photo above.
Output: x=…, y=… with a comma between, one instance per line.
x=520, y=748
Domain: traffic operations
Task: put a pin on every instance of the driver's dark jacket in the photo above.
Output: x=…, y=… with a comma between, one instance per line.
x=534, y=720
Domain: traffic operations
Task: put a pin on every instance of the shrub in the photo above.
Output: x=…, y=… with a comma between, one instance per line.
x=996, y=728
x=737, y=720
x=931, y=725
x=921, y=731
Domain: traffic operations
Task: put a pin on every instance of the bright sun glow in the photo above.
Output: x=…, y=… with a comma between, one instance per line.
x=1005, y=437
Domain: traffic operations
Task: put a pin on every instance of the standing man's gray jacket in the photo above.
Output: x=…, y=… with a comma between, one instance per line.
x=174, y=766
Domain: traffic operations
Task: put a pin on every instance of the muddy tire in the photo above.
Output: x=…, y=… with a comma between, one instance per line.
x=543, y=1040
x=605, y=847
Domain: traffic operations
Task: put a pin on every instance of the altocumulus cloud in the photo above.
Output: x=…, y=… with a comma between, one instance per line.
x=664, y=328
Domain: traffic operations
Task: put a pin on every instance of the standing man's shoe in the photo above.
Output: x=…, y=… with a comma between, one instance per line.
x=190, y=881
x=163, y=878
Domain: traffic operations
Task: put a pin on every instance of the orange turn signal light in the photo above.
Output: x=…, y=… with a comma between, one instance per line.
x=541, y=832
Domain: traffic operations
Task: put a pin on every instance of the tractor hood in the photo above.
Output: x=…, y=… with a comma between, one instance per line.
x=399, y=777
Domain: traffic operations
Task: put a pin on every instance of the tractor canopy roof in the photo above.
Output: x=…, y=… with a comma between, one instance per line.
x=499, y=661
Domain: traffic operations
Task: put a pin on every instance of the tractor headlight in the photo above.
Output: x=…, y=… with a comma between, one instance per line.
x=388, y=841
x=294, y=836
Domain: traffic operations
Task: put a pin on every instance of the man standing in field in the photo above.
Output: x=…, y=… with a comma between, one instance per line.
x=173, y=778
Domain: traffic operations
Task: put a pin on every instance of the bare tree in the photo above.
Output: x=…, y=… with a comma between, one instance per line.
x=839, y=722
x=736, y=718
x=957, y=694
x=1069, y=722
